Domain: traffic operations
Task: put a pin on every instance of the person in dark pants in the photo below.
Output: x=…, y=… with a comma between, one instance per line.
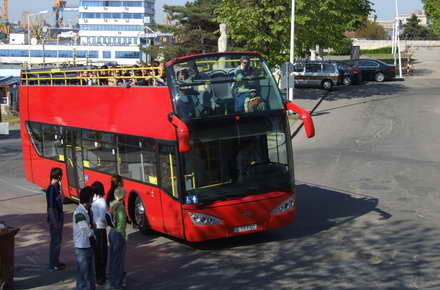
x=117, y=238
x=55, y=218
x=82, y=237
x=99, y=209
x=115, y=182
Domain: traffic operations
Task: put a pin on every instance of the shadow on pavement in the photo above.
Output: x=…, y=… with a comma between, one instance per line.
x=339, y=240
x=362, y=91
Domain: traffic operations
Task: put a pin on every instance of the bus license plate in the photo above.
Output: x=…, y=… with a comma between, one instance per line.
x=245, y=228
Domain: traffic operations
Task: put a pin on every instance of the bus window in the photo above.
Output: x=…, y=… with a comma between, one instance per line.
x=218, y=85
x=34, y=130
x=129, y=157
x=168, y=169
x=149, y=161
x=99, y=151
x=53, y=147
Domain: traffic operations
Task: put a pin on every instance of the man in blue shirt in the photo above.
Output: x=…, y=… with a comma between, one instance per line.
x=55, y=218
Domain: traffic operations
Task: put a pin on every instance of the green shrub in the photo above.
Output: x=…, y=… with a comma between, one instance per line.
x=342, y=48
x=382, y=50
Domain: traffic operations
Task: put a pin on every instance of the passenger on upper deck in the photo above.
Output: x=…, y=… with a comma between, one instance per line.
x=254, y=103
x=188, y=105
x=244, y=81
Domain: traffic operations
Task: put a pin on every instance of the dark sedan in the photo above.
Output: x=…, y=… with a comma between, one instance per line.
x=352, y=74
x=373, y=69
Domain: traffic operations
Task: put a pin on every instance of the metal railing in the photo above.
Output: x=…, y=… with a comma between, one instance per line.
x=112, y=76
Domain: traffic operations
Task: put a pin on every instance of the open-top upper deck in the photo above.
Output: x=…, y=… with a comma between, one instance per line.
x=140, y=75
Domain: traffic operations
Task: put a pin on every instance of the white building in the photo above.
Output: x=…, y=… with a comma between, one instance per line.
x=97, y=55
x=17, y=38
x=403, y=18
x=111, y=22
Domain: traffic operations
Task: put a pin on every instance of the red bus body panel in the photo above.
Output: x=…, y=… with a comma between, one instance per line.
x=254, y=209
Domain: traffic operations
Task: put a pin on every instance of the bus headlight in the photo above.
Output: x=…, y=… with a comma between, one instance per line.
x=204, y=219
x=286, y=205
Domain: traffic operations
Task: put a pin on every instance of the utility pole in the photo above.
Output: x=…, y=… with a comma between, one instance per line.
x=397, y=40
x=292, y=51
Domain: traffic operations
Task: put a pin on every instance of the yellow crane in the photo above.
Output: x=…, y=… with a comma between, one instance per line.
x=4, y=25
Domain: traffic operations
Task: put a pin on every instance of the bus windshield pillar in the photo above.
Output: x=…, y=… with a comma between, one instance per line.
x=182, y=132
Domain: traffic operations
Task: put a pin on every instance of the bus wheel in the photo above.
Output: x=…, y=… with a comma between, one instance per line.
x=140, y=217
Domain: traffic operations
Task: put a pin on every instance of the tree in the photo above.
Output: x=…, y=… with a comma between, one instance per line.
x=432, y=9
x=264, y=25
x=371, y=30
x=194, y=28
x=412, y=30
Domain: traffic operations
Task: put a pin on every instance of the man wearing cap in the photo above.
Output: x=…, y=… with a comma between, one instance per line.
x=254, y=103
x=117, y=238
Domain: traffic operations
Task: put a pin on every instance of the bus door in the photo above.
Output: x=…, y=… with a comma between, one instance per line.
x=171, y=207
x=74, y=161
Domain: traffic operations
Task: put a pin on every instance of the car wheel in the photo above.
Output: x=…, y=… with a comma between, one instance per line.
x=379, y=77
x=327, y=85
x=346, y=80
x=140, y=216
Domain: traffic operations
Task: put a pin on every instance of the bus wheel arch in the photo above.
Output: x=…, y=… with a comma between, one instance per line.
x=137, y=212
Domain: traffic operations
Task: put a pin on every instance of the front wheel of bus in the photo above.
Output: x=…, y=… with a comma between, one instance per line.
x=140, y=216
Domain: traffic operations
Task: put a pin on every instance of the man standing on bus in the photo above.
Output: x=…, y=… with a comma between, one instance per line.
x=55, y=218
x=245, y=79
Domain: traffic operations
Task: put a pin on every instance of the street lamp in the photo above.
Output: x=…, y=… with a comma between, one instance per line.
x=396, y=39
x=29, y=30
x=292, y=50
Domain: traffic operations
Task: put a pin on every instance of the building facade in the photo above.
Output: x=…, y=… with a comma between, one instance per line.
x=114, y=23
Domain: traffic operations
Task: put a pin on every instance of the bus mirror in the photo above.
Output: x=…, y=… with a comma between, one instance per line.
x=182, y=132
x=305, y=117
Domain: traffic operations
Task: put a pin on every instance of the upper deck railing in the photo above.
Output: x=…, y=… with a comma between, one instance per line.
x=142, y=75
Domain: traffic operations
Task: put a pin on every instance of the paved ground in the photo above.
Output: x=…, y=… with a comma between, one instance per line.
x=368, y=206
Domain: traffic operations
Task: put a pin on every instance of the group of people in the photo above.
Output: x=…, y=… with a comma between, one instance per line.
x=244, y=91
x=136, y=76
x=91, y=219
x=146, y=75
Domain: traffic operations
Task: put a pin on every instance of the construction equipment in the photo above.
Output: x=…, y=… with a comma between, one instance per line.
x=58, y=8
x=4, y=22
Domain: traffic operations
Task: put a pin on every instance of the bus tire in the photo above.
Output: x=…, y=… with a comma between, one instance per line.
x=140, y=217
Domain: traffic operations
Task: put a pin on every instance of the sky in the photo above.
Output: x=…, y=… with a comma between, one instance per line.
x=385, y=9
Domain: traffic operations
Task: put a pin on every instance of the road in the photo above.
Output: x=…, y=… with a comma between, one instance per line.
x=368, y=204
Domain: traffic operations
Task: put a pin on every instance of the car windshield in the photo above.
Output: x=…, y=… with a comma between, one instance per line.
x=241, y=157
x=222, y=84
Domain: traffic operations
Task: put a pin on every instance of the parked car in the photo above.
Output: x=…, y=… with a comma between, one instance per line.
x=375, y=70
x=352, y=74
x=321, y=74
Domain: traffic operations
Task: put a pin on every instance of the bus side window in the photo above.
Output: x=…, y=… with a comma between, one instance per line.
x=53, y=146
x=34, y=131
x=149, y=161
x=168, y=170
x=99, y=151
x=129, y=157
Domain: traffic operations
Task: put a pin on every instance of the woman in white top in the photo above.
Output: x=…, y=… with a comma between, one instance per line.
x=99, y=209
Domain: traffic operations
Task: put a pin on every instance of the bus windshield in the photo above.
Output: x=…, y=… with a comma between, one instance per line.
x=241, y=157
x=222, y=84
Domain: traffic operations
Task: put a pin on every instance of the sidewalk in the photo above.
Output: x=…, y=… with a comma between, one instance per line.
x=32, y=244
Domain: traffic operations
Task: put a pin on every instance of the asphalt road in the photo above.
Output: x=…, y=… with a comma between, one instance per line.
x=367, y=195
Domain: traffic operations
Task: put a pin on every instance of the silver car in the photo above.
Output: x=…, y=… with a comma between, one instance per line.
x=320, y=74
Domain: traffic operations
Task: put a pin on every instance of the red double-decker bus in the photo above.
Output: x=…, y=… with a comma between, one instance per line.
x=207, y=156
